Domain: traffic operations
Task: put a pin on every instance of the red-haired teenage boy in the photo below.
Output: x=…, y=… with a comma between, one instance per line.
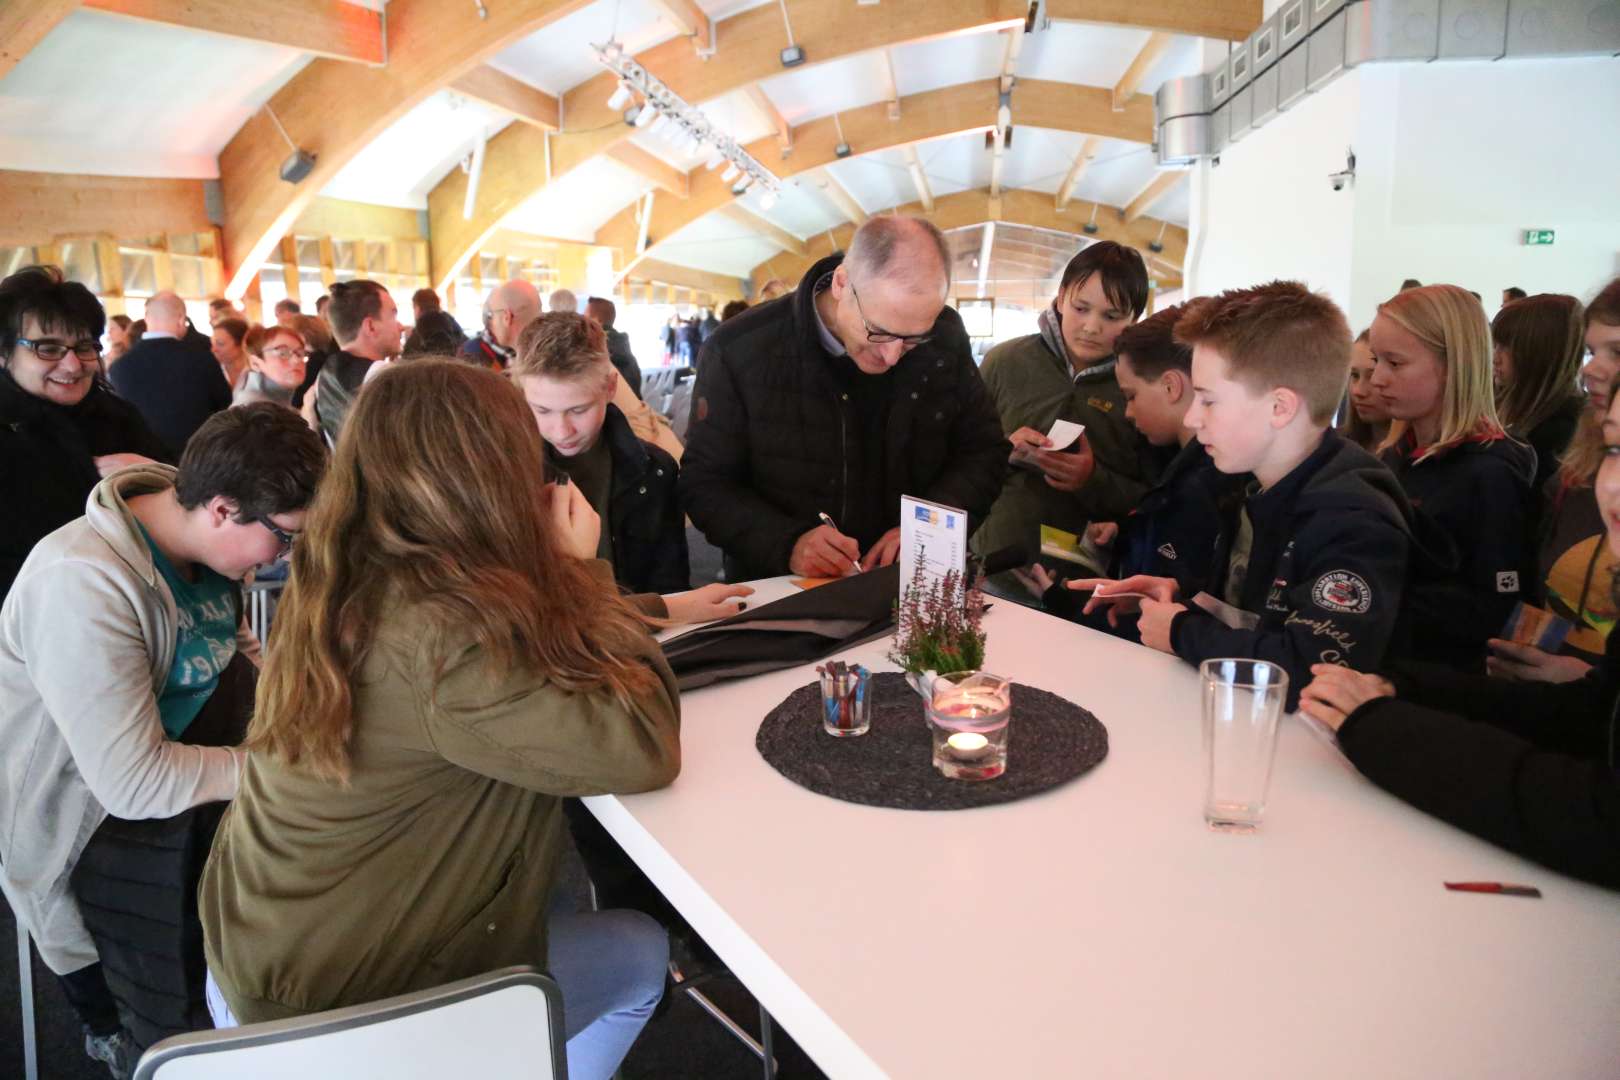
x=1309, y=564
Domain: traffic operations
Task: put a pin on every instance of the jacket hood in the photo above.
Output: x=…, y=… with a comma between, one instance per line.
x=1051, y=325
x=1346, y=477
x=108, y=513
x=1517, y=457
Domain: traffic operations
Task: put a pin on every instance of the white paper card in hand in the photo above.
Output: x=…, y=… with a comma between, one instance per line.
x=1063, y=434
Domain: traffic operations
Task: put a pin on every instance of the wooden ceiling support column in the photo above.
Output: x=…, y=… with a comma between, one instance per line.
x=663, y=175
x=36, y=208
x=1082, y=161
x=768, y=230
x=1152, y=51
x=840, y=196
x=501, y=92
x=1152, y=193
x=919, y=178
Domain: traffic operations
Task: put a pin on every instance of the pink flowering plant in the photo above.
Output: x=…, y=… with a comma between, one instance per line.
x=940, y=625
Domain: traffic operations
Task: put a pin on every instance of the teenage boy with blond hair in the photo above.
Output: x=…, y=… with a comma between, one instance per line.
x=1310, y=561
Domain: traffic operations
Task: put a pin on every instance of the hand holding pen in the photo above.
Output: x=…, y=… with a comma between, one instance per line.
x=825, y=552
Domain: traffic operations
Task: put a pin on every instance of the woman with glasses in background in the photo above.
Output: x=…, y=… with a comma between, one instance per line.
x=62, y=428
x=276, y=371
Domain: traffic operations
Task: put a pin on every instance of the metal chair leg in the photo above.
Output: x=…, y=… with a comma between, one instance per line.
x=721, y=1017
x=767, y=1030
x=25, y=992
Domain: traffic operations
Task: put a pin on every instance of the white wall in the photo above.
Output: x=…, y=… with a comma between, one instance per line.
x=1455, y=160
x=1267, y=210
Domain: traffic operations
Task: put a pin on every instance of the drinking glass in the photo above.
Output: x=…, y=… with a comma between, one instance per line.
x=1242, y=701
x=968, y=715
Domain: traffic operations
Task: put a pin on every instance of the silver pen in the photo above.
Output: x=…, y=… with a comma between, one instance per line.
x=827, y=521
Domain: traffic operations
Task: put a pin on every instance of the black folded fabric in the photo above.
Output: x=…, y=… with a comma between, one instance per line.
x=794, y=630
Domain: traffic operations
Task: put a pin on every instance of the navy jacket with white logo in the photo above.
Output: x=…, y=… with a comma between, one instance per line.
x=1478, y=495
x=1327, y=566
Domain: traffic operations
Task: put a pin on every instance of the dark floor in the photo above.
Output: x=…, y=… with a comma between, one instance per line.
x=684, y=1042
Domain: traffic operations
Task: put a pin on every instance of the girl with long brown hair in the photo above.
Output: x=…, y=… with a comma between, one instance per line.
x=449, y=661
x=1537, y=366
x=1576, y=572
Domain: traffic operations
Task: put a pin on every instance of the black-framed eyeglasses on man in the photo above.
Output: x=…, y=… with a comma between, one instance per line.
x=52, y=351
x=283, y=537
x=879, y=336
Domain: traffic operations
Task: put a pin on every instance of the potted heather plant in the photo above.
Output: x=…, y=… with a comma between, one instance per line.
x=940, y=629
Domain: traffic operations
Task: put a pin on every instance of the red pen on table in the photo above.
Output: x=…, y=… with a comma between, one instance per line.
x=1493, y=887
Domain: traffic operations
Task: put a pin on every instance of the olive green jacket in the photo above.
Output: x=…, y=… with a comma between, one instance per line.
x=1032, y=386
x=436, y=861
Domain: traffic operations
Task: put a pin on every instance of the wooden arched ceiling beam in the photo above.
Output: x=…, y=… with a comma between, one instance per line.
x=1018, y=207
x=334, y=109
x=1230, y=20
x=328, y=28
x=936, y=114
x=749, y=46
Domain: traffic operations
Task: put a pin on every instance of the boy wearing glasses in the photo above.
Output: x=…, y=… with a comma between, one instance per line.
x=836, y=400
x=113, y=642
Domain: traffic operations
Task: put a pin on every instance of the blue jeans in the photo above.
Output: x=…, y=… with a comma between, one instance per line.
x=611, y=967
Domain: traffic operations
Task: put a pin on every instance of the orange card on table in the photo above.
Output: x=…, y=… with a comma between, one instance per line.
x=814, y=582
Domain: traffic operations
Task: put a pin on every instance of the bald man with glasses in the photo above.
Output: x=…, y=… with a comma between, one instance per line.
x=857, y=388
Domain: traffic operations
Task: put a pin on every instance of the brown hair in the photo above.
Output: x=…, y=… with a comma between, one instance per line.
x=471, y=552
x=237, y=328
x=353, y=302
x=313, y=329
x=1124, y=274
x=1580, y=462
x=562, y=345
x=1277, y=334
x=425, y=300
x=1150, y=346
x=602, y=310
x=1605, y=306
x=1544, y=334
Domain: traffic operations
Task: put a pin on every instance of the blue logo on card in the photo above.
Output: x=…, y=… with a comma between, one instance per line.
x=922, y=513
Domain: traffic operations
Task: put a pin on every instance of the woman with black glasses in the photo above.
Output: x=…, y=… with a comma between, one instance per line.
x=61, y=426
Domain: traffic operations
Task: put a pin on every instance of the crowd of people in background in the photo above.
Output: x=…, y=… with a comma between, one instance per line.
x=480, y=534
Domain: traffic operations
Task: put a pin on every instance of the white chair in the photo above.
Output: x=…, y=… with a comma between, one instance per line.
x=508, y=1023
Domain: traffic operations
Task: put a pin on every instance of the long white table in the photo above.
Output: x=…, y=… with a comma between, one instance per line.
x=1101, y=929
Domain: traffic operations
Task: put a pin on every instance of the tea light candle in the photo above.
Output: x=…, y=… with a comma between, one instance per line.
x=968, y=744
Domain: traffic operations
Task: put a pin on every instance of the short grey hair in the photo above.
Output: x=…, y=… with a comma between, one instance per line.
x=872, y=253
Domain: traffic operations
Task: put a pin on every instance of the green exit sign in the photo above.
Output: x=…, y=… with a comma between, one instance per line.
x=1538, y=236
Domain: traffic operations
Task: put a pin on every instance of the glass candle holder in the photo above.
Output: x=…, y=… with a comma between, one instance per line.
x=969, y=716
x=845, y=702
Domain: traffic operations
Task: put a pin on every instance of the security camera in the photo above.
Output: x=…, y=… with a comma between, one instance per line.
x=1345, y=176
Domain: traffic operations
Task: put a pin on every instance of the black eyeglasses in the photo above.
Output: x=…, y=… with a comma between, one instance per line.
x=879, y=336
x=52, y=351
x=285, y=538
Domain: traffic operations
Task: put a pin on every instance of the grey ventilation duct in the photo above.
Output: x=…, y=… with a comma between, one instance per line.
x=1306, y=44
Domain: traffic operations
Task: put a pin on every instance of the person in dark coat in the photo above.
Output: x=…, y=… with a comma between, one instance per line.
x=1533, y=767
x=433, y=332
x=174, y=382
x=602, y=310
x=61, y=426
x=856, y=390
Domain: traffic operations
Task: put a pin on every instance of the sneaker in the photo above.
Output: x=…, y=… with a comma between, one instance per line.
x=115, y=1051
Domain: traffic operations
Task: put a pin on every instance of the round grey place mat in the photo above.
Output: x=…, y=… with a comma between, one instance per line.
x=1052, y=741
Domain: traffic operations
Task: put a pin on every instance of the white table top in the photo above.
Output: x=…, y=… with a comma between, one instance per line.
x=1101, y=929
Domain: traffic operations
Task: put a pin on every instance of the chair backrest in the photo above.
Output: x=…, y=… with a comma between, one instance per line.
x=508, y=1023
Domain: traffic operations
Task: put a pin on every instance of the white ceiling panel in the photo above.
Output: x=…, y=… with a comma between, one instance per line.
x=806, y=93
x=1118, y=172
x=559, y=57
x=579, y=202
x=123, y=97
x=878, y=181
x=1172, y=206
x=1181, y=58
x=403, y=164
x=802, y=209
x=718, y=244
x=955, y=164
x=1039, y=158
x=961, y=58
x=1090, y=54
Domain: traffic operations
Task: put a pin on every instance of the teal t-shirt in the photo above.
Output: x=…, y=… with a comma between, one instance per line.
x=205, y=643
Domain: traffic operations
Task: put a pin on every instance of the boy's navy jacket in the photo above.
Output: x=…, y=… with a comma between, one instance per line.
x=1478, y=494
x=1328, y=562
x=1172, y=533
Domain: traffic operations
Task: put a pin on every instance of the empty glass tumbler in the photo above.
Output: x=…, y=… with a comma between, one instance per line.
x=1242, y=702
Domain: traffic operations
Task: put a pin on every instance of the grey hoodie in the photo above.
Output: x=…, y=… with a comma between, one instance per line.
x=87, y=637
